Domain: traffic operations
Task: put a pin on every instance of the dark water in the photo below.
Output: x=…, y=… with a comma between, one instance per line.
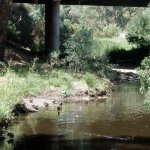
x=120, y=122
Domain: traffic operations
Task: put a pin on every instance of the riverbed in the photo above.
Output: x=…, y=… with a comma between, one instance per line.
x=119, y=122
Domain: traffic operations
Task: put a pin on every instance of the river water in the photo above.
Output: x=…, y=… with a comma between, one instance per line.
x=120, y=122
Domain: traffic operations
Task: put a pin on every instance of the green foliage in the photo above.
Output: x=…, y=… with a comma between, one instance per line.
x=111, y=31
x=31, y=79
x=3, y=68
x=97, y=34
x=75, y=27
x=98, y=17
x=41, y=46
x=97, y=64
x=13, y=34
x=20, y=30
x=138, y=29
x=90, y=79
x=37, y=12
x=78, y=48
x=144, y=76
x=32, y=69
x=64, y=36
x=81, y=57
x=65, y=24
x=105, y=46
x=118, y=48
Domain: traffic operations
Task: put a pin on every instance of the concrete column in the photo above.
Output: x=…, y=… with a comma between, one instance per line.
x=52, y=26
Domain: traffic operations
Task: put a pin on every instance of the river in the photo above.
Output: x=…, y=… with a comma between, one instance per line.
x=120, y=122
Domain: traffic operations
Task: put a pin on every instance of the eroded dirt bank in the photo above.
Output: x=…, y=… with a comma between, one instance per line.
x=53, y=97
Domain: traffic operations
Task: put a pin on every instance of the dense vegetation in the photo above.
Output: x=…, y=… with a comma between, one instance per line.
x=104, y=23
x=89, y=37
x=144, y=76
x=138, y=31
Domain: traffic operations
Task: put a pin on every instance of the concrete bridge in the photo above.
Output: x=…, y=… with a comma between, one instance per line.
x=52, y=15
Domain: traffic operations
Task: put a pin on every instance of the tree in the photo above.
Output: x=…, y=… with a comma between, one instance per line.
x=21, y=25
x=5, y=7
x=78, y=48
x=138, y=29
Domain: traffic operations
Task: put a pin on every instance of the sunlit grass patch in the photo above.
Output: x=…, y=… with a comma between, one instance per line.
x=104, y=46
x=93, y=81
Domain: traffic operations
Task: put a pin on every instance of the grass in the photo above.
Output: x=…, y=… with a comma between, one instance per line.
x=119, y=49
x=104, y=46
x=93, y=81
x=30, y=80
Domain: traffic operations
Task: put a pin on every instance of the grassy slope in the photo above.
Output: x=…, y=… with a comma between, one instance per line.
x=31, y=80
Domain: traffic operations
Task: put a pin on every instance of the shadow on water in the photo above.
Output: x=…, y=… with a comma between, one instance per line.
x=54, y=142
x=120, y=122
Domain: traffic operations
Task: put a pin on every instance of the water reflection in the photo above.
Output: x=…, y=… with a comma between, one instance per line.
x=117, y=123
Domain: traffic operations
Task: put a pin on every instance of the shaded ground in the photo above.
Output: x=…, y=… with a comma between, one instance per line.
x=16, y=53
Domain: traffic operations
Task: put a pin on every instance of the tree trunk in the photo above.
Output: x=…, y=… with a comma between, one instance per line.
x=5, y=7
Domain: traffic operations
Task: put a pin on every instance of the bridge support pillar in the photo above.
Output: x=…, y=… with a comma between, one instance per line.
x=52, y=25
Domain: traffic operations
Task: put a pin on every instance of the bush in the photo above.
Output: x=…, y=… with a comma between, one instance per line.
x=144, y=76
x=138, y=29
x=78, y=48
x=65, y=28
x=111, y=31
x=97, y=64
x=81, y=58
x=97, y=34
x=13, y=34
x=37, y=14
x=41, y=46
x=64, y=36
x=75, y=27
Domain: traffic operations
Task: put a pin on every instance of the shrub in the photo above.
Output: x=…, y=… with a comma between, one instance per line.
x=97, y=34
x=41, y=46
x=64, y=36
x=144, y=76
x=65, y=28
x=13, y=34
x=37, y=14
x=78, y=48
x=75, y=27
x=138, y=29
x=111, y=31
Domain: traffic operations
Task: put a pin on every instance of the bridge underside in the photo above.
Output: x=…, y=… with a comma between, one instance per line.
x=52, y=15
x=132, y=3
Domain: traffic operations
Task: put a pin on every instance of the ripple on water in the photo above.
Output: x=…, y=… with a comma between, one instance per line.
x=119, y=119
